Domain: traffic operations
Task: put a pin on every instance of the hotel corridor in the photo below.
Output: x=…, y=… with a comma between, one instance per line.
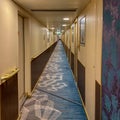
x=55, y=96
x=59, y=59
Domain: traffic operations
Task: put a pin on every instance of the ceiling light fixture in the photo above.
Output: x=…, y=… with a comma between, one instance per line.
x=66, y=19
x=64, y=25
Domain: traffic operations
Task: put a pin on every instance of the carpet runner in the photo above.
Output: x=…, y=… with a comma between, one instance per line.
x=55, y=96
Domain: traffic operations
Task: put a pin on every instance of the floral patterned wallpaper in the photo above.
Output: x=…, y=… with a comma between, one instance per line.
x=111, y=60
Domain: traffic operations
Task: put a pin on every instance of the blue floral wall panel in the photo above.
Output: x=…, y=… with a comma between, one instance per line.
x=111, y=60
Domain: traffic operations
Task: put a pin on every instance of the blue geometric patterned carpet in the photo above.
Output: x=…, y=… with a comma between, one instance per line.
x=56, y=96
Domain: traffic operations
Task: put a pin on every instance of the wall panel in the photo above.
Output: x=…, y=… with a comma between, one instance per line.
x=38, y=42
x=72, y=62
x=8, y=36
x=9, y=99
x=97, y=101
x=81, y=79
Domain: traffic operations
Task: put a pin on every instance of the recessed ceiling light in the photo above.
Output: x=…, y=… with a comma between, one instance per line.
x=66, y=19
x=64, y=25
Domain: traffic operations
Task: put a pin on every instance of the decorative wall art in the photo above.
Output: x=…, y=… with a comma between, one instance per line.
x=82, y=30
x=72, y=33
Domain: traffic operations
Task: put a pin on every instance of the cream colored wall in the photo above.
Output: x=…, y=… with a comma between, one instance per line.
x=8, y=36
x=99, y=22
x=90, y=61
x=63, y=38
x=51, y=38
x=38, y=43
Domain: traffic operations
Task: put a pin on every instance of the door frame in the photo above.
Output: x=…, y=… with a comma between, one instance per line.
x=75, y=48
x=21, y=56
x=27, y=45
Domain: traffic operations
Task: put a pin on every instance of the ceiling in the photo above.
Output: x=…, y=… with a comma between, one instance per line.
x=51, y=12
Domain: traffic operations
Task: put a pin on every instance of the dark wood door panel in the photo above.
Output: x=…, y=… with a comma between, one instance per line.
x=81, y=79
x=9, y=99
x=72, y=62
x=97, y=101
